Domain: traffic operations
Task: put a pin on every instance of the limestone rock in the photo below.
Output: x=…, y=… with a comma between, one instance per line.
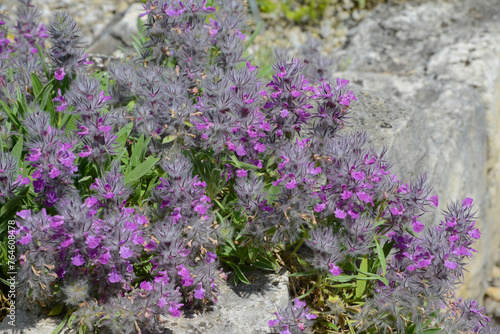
x=118, y=33
x=493, y=292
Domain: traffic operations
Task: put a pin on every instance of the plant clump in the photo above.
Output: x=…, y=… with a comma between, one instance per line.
x=133, y=188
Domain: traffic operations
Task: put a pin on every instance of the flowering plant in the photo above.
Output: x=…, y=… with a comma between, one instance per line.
x=132, y=187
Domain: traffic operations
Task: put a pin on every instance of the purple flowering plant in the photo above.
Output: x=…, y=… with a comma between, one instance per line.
x=132, y=188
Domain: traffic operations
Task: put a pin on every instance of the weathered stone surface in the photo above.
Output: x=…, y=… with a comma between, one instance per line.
x=241, y=309
x=432, y=72
x=119, y=32
x=493, y=292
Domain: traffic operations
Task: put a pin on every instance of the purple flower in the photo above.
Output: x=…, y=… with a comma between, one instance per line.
x=59, y=73
x=259, y=147
x=66, y=243
x=272, y=323
x=346, y=98
x=85, y=152
x=22, y=181
x=240, y=150
x=199, y=292
x=93, y=242
x=241, y=173
x=104, y=258
x=474, y=233
x=78, y=259
x=210, y=257
x=114, y=276
x=320, y=207
x=340, y=214
x=174, y=309
x=364, y=197
x=26, y=239
x=34, y=155
x=450, y=265
x=186, y=279
x=147, y=286
x=126, y=252
x=250, y=67
x=467, y=202
x=346, y=194
x=358, y=175
x=162, y=302
x=434, y=200
x=54, y=172
x=418, y=226
x=56, y=221
x=397, y=210
x=292, y=184
x=334, y=269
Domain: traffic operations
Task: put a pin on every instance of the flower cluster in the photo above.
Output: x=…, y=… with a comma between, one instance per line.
x=294, y=319
x=19, y=51
x=432, y=267
x=185, y=233
x=67, y=47
x=53, y=160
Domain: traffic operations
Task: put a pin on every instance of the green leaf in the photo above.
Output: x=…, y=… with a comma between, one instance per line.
x=71, y=319
x=49, y=107
x=44, y=96
x=71, y=125
x=124, y=132
x=238, y=273
x=308, y=292
x=144, y=149
x=252, y=253
x=168, y=139
x=388, y=247
x=8, y=208
x=40, y=53
x=21, y=102
x=273, y=192
x=381, y=257
x=11, y=114
x=263, y=263
x=360, y=290
x=411, y=329
x=17, y=150
x=141, y=170
x=432, y=331
x=65, y=119
x=341, y=278
x=84, y=179
x=7, y=283
x=271, y=161
x=302, y=262
x=131, y=106
x=37, y=85
x=310, y=273
x=151, y=185
x=62, y=324
x=56, y=310
x=332, y=326
x=344, y=286
x=243, y=165
x=252, y=38
x=188, y=123
x=136, y=152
